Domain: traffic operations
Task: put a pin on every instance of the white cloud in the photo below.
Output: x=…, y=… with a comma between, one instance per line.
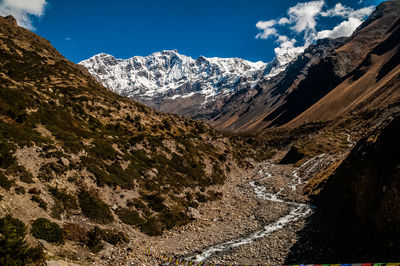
x=302, y=21
x=303, y=15
x=283, y=21
x=362, y=13
x=339, y=10
x=267, y=28
x=22, y=10
x=344, y=29
x=347, y=27
x=68, y=39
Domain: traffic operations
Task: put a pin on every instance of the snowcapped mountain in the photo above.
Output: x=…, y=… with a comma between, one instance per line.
x=165, y=77
x=171, y=74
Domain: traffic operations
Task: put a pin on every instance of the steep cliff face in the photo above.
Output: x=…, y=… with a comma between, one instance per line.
x=362, y=196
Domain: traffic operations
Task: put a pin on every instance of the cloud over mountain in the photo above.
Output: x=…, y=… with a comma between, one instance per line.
x=23, y=10
x=301, y=25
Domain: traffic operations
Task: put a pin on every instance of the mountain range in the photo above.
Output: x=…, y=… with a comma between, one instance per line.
x=295, y=160
x=239, y=96
x=175, y=83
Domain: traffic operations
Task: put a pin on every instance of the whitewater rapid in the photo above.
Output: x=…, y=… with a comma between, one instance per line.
x=297, y=211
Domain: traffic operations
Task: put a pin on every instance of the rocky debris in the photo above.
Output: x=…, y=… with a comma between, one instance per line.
x=64, y=161
x=193, y=213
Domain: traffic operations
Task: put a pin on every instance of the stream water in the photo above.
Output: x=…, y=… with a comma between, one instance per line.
x=297, y=210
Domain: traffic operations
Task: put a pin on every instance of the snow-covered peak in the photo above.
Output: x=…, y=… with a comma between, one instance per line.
x=170, y=75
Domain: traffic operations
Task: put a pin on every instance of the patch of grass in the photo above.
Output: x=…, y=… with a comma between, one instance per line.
x=13, y=248
x=94, y=208
x=76, y=233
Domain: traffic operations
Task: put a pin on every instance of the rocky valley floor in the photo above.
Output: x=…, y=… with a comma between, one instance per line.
x=257, y=221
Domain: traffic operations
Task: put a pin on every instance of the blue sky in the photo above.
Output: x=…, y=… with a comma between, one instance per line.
x=250, y=29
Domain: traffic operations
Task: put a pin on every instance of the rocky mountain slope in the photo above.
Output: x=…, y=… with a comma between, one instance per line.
x=175, y=83
x=368, y=181
x=79, y=164
x=331, y=78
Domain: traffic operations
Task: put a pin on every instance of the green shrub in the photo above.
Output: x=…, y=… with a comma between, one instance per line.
x=103, y=149
x=152, y=227
x=20, y=190
x=13, y=248
x=114, y=237
x=21, y=172
x=34, y=191
x=129, y=216
x=173, y=218
x=66, y=200
x=94, y=208
x=5, y=182
x=47, y=230
x=155, y=202
x=96, y=236
x=56, y=210
x=38, y=199
x=6, y=157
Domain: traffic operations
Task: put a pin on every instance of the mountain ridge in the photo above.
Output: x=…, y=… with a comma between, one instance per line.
x=166, y=80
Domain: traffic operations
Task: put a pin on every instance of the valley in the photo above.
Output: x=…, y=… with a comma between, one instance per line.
x=163, y=159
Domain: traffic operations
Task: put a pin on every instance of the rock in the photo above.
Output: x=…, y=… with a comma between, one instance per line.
x=114, y=207
x=12, y=20
x=42, y=242
x=193, y=213
x=65, y=161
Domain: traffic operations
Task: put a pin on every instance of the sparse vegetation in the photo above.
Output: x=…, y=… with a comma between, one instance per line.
x=97, y=235
x=94, y=208
x=47, y=230
x=63, y=198
x=129, y=216
x=5, y=182
x=76, y=233
x=40, y=201
x=13, y=248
